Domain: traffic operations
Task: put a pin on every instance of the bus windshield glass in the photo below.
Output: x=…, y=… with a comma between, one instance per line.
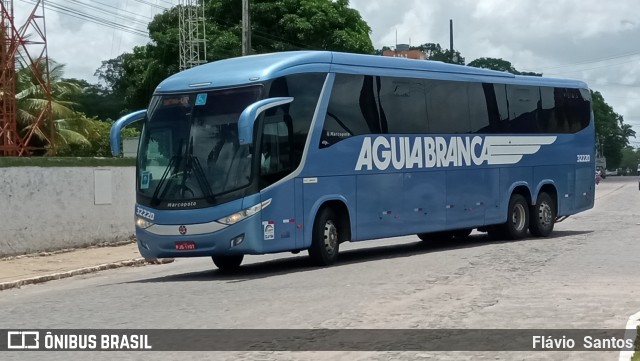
x=189, y=146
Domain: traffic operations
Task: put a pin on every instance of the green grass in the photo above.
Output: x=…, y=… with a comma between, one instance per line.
x=65, y=162
x=636, y=355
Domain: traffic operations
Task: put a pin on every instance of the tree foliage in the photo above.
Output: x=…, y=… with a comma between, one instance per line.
x=612, y=133
x=435, y=52
x=32, y=102
x=276, y=26
x=499, y=65
x=630, y=160
x=96, y=101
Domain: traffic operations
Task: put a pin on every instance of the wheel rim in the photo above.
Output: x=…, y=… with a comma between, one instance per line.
x=330, y=237
x=545, y=214
x=518, y=217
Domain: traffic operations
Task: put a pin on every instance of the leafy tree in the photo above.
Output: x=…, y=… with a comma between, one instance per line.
x=98, y=141
x=630, y=159
x=499, y=65
x=32, y=102
x=435, y=52
x=95, y=100
x=611, y=131
x=276, y=26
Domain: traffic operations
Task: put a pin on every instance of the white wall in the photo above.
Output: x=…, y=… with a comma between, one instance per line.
x=50, y=208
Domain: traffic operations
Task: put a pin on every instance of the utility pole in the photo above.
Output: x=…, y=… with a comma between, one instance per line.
x=451, y=40
x=246, y=28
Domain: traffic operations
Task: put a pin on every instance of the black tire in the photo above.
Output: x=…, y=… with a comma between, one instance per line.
x=543, y=215
x=325, y=238
x=517, y=222
x=228, y=263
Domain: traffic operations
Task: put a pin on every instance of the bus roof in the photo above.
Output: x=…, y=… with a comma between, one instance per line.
x=253, y=68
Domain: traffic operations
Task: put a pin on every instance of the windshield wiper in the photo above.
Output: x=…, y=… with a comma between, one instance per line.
x=205, y=186
x=155, y=199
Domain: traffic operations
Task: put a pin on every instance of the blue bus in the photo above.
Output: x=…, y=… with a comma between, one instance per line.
x=306, y=150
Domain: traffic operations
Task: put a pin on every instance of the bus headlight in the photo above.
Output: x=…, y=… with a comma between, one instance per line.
x=247, y=212
x=143, y=223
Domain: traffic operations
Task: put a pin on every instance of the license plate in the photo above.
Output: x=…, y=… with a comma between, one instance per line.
x=185, y=246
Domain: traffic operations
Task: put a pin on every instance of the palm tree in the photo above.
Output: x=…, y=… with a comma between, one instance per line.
x=32, y=101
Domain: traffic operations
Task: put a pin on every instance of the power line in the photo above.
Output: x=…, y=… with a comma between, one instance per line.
x=110, y=12
x=597, y=60
x=68, y=11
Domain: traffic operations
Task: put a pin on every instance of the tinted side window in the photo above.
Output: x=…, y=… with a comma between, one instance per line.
x=578, y=110
x=285, y=128
x=305, y=90
x=550, y=117
x=447, y=107
x=503, y=107
x=523, y=102
x=479, y=107
x=403, y=104
x=353, y=109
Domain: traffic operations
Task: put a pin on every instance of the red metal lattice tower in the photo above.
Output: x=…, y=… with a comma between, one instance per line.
x=26, y=46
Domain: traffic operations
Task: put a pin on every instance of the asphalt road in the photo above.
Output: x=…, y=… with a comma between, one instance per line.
x=586, y=275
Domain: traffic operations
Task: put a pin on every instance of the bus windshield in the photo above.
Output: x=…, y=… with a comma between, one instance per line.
x=189, y=146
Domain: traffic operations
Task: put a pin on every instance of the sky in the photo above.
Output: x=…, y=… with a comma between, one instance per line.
x=590, y=40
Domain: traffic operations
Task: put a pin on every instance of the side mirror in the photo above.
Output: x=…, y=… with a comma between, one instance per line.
x=116, y=128
x=250, y=114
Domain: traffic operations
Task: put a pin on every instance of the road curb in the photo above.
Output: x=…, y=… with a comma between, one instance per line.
x=137, y=262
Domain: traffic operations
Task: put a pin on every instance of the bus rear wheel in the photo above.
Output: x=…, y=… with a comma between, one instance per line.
x=228, y=263
x=543, y=216
x=325, y=238
x=517, y=218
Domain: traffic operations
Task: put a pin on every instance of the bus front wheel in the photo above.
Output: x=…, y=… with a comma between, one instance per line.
x=325, y=238
x=517, y=218
x=543, y=216
x=228, y=263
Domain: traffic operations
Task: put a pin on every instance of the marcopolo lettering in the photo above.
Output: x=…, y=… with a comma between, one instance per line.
x=381, y=153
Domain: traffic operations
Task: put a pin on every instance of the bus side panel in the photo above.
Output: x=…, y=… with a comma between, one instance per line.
x=424, y=201
x=585, y=187
x=278, y=218
x=469, y=193
x=566, y=198
x=380, y=205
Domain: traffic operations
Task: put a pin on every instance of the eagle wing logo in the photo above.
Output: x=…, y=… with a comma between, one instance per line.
x=510, y=150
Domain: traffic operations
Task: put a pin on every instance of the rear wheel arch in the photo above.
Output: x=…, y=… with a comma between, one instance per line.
x=550, y=189
x=339, y=205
